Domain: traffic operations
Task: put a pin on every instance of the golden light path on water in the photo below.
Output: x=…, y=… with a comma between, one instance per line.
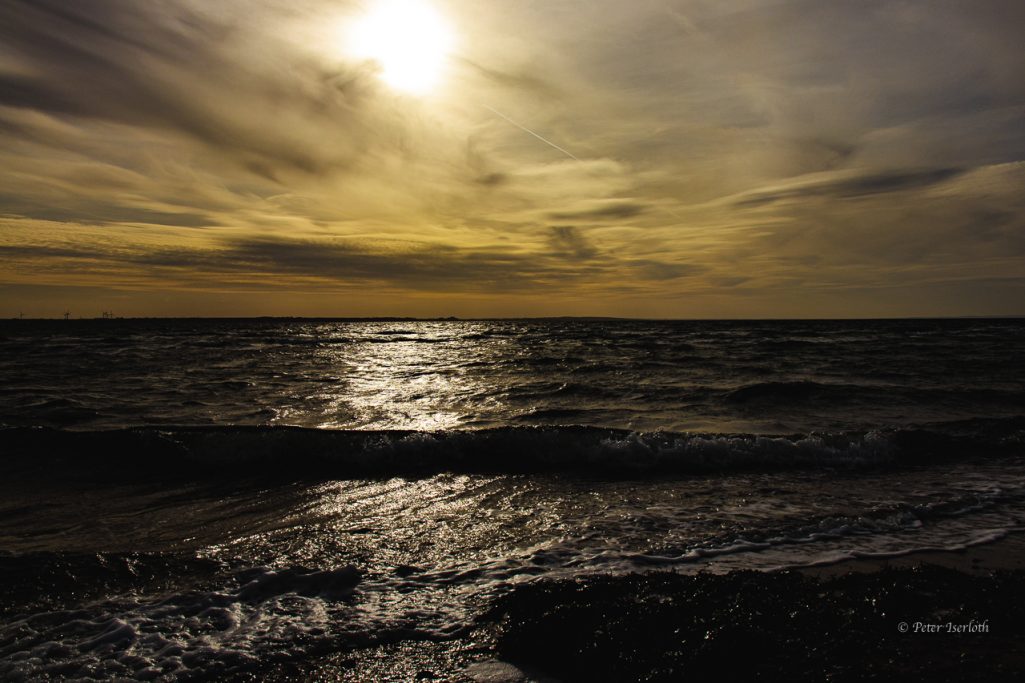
x=416, y=377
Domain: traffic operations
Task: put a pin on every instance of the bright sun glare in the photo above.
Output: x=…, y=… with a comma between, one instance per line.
x=409, y=39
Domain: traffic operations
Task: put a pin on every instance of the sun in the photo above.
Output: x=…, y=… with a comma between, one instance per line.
x=409, y=39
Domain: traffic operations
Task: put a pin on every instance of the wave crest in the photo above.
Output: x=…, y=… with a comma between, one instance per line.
x=186, y=452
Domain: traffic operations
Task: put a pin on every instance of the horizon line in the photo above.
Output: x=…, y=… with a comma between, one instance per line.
x=397, y=318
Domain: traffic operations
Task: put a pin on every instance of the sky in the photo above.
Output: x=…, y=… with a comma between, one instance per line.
x=652, y=158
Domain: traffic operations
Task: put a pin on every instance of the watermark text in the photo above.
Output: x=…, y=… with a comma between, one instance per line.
x=972, y=626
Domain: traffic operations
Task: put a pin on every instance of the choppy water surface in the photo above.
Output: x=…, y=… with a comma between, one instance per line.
x=722, y=376
x=197, y=498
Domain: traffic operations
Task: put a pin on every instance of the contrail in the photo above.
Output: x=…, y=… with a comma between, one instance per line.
x=561, y=149
x=527, y=130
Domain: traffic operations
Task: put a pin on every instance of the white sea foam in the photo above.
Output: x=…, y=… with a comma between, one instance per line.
x=261, y=615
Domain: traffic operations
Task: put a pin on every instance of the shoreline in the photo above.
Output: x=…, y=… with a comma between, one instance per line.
x=1004, y=554
x=840, y=621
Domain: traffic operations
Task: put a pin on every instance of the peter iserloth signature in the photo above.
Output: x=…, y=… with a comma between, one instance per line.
x=972, y=626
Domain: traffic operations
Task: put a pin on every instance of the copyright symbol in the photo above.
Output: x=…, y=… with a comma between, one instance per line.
x=902, y=627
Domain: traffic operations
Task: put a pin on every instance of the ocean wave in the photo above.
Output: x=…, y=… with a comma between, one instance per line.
x=824, y=393
x=30, y=582
x=872, y=523
x=788, y=391
x=224, y=626
x=188, y=452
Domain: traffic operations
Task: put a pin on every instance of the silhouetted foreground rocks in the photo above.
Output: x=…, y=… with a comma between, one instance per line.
x=768, y=626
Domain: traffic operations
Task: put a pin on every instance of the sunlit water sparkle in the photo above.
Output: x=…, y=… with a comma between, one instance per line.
x=186, y=570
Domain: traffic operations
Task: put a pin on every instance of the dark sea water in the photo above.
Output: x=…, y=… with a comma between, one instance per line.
x=203, y=498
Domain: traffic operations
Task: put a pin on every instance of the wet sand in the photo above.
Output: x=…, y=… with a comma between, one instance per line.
x=841, y=622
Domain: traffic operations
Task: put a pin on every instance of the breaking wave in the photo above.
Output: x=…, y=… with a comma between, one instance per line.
x=238, y=621
x=195, y=452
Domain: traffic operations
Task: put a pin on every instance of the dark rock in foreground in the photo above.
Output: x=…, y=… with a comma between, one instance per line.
x=768, y=626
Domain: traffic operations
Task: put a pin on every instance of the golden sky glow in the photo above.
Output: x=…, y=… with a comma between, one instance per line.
x=736, y=158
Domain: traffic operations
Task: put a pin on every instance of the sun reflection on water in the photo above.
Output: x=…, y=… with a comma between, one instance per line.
x=414, y=376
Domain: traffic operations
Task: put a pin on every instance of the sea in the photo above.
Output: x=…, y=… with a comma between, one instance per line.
x=204, y=499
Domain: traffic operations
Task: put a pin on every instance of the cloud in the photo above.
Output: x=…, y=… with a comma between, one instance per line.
x=605, y=211
x=98, y=214
x=970, y=225
x=333, y=263
x=220, y=77
x=860, y=185
x=520, y=79
x=568, y=241
x=731, y=154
